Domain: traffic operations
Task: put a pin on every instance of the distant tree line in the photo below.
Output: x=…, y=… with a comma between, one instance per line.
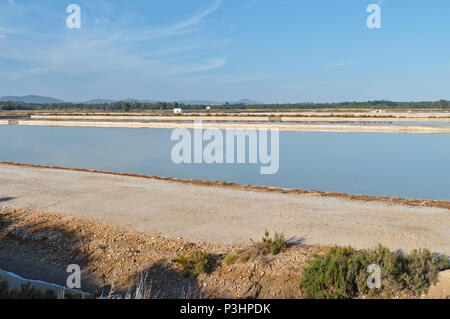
x=128, y=106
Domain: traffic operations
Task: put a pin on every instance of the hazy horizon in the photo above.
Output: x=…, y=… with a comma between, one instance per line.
x=200, y=100
x=270, y=51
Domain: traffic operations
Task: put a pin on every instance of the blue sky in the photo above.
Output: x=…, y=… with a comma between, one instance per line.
x=224, y=50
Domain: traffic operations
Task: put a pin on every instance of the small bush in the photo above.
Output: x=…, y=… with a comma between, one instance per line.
x=4, y=289
x=231, y=257
x=25, y=292
x=423, y=268
x=392, y=266
x=195, y=264
x=341, y=272
x=333, y=275
x=273, y=245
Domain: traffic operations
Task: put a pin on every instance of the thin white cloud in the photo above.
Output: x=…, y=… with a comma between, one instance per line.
x=229, y=79
x=188, y=47
x=198, y=17
x=209, y=64
x=6, y=30
x=20, y=7
x=104, y=57
x=180, y=28
x=250, y=3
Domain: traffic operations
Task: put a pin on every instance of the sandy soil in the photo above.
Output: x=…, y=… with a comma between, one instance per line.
x=411, y=129
x=294, y=120
x=223, y=216
x=295, y=117
x=342, y=112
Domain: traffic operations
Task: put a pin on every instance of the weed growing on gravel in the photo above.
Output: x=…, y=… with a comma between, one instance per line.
x=232, y=257
x=103, y=246
x=341, y=272
x=273, y=245
x=143, y=289
x=195, y=264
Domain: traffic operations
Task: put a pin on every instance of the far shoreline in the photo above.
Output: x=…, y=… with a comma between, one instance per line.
x=332, y=128
x=406, y=121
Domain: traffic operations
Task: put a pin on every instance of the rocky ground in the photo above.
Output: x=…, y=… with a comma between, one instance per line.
x=41, y=246
x=113, y=259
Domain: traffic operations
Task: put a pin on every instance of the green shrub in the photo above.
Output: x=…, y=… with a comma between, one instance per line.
x=392, y=266
x=273, y=245
x=230, y=258
x=336, y=274
x=25, y=292
x=341, y=272
x=195, y=264
x=4, y=289
x=423, y=268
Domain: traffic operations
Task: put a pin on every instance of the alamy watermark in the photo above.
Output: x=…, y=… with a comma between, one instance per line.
x=73, y=21
x=74, y=279
x=220, y=147
x=374, y=279
x=374, y=19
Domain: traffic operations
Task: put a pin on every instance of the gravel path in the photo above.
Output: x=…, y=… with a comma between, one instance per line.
x=221, y=215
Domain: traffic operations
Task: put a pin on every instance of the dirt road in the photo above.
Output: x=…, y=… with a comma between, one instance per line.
x=223, y=215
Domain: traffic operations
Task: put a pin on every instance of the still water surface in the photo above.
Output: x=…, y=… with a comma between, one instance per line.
x=404, y=165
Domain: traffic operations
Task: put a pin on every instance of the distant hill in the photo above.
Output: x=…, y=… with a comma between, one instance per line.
x=31, y=99
x=140, y=101
x=99, y=101
x=206, y=102
x=199, y=102
x=249, y=102
x=37, y=99
x=196, y=102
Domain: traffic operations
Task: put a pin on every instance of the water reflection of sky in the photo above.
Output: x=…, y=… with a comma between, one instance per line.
x=405, y=165
x=369, y=123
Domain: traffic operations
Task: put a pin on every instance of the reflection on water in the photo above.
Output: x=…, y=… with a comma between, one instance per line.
x=404, y=165
x=368, y=123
